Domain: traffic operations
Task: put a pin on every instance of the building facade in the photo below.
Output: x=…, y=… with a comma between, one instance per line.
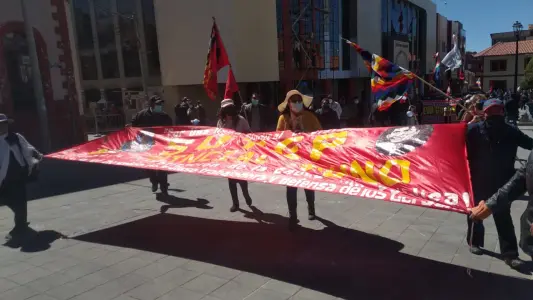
x=49, y=19
x=499, y=64
x=505, y=37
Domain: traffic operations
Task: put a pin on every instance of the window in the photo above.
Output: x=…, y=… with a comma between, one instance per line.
x=106, y=38
x=498, y=84
x=88, y=66
x=84, y=35
x=498, y=65
x=150, y=34
x=128, y=38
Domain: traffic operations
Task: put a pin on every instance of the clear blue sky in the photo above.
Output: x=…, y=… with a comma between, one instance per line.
x=480, y=18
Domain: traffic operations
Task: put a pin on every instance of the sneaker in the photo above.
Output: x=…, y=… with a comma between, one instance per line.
x=311, y=217
x=164, y=189
x=234, y=208
x=293, y=223
x=155, y=187
x=514, y=263
x=476, y=250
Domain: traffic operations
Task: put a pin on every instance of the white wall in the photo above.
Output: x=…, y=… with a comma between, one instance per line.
x=507, y=75
x=40, y=14
x=248, y=29
x=442, y=36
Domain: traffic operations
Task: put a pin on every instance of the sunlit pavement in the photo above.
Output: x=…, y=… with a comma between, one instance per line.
x=124, y=244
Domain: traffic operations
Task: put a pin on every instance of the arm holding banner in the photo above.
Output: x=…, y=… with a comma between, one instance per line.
x=282, y=124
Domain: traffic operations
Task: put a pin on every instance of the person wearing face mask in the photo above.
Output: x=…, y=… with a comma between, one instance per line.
x=256, y=114
x=229, y=118
x=154, y=116
x=296, y=117
x=18, y=160
x=327, y=117
x=491, y=149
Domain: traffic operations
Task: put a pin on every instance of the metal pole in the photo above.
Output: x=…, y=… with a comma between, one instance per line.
x=516, y=65
x=37, y=80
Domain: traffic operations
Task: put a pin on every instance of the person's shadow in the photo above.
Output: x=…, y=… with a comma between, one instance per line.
x=264, y=218
x=35, y=241
x=178, y=202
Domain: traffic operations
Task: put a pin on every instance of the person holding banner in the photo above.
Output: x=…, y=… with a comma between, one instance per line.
x=229, y=118
x=491, y=147
x=151, y=117
x=521, y=182
x=296, y=117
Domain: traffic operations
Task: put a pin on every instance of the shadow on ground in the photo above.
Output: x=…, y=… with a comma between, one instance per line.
x=337, y=261
x=35, y=241
x=58, y=177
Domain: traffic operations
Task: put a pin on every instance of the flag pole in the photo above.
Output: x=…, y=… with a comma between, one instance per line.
x=230, y=66
x=423, y=81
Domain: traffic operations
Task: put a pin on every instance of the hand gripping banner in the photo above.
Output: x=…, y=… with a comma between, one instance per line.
x=419, y=165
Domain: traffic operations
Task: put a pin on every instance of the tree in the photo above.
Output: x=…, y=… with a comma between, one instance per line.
x=528, y=80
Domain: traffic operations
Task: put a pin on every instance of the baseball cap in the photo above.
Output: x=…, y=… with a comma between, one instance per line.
x=155, y=99
x=492, y=102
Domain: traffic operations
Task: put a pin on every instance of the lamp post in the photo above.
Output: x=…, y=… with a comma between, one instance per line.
x=517, y=28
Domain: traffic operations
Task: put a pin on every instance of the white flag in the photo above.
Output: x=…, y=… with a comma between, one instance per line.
x=452, y=60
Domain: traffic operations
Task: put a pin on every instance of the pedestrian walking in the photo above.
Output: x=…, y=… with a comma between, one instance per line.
x=154, y=116
x=18, y=165
x=296, y=117
x=491, y=147
x=229, y=118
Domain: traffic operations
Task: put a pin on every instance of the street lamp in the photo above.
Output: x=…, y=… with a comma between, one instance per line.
x=517, y=29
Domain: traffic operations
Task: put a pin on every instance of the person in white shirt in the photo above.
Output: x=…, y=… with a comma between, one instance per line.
x=18, y=160
x=335, y=106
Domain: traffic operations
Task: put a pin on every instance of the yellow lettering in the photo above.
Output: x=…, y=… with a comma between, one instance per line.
x=208, y=144
x=284, y=145
x=208, y=157
x=327, y=141
x=250, y=144
x=356, y=171
x=332, y=174
x=403, y=165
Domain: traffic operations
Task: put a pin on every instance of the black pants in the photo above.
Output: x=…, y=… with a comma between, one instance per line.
x=292, y=201
x=14, y=197
x=233, y=190
x=506, y=234
x=158, y=177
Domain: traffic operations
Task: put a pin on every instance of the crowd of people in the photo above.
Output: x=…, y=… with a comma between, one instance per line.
x=492, y=142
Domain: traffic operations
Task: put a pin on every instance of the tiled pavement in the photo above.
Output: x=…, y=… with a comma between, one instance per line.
x=125, y=245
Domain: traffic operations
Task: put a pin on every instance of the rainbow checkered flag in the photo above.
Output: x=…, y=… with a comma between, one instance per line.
x=390, y=83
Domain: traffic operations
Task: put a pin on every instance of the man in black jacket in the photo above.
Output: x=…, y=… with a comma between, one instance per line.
x=151, y=117
x=521, y=182
x=491, y=147
x=257, y=114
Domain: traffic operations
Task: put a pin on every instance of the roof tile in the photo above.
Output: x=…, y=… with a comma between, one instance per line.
x=500, y=49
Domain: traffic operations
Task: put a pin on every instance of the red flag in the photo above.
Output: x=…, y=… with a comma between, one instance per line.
x=217, y=58
x=231, y=85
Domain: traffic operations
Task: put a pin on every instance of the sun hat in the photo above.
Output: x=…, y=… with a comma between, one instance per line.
x=226, y=102
x=5, y=119
x=307, y=100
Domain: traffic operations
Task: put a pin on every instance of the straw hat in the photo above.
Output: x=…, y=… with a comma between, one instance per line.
x=226, y=102
x=307, y=101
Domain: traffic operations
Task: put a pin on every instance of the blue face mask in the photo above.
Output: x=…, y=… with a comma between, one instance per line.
x=297, y=107
x=255, y=102
x=158, y=108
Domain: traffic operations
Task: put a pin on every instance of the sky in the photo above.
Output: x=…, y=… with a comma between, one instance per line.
x=480, y=18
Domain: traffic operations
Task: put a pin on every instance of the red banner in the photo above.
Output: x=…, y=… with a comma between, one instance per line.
x=421, y=165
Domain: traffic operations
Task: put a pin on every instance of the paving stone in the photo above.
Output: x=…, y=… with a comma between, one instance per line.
x=223, y=272
x=308, y=294
x=160, y=267
x=204, y=284
x=6, y=285
x=163, y=284
x=182, y=294
x=14, y=268
x=18, y=293
x=233, y=290
x=265, y=294
x=282, y=287
x=30, y=275
x=113, y=288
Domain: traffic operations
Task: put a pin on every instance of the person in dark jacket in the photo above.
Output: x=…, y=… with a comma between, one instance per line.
x=181, y=111
x=491, y=147
x=151, y=117
x=18, y=159
x=328, y=117
x=512, y=109
x=257, y=115
x=521, y=182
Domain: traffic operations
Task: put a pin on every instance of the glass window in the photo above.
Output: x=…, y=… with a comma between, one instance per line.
x=150, y=34
x=385, y=16
x=106, y=38
x=128, y=38
x=498, y=65
x=92, y=95
x=88, y=66
x=84, y=36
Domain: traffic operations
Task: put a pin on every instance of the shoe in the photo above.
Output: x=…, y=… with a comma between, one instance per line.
x=476, y=250
x=16, y=235
x=234, y=208
x=155, y=187
x=312, y=215
x=248, y=201
x=293, y=224
x=514, y=263
x=164, y=189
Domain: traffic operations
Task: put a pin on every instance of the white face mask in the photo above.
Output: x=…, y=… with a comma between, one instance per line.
x=410, y=114
x=297, y=107
x=356, y=101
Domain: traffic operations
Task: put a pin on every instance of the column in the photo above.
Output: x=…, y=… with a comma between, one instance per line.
x=96, y=43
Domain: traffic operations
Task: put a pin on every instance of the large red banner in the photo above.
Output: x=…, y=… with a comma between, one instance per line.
x=418, y=165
